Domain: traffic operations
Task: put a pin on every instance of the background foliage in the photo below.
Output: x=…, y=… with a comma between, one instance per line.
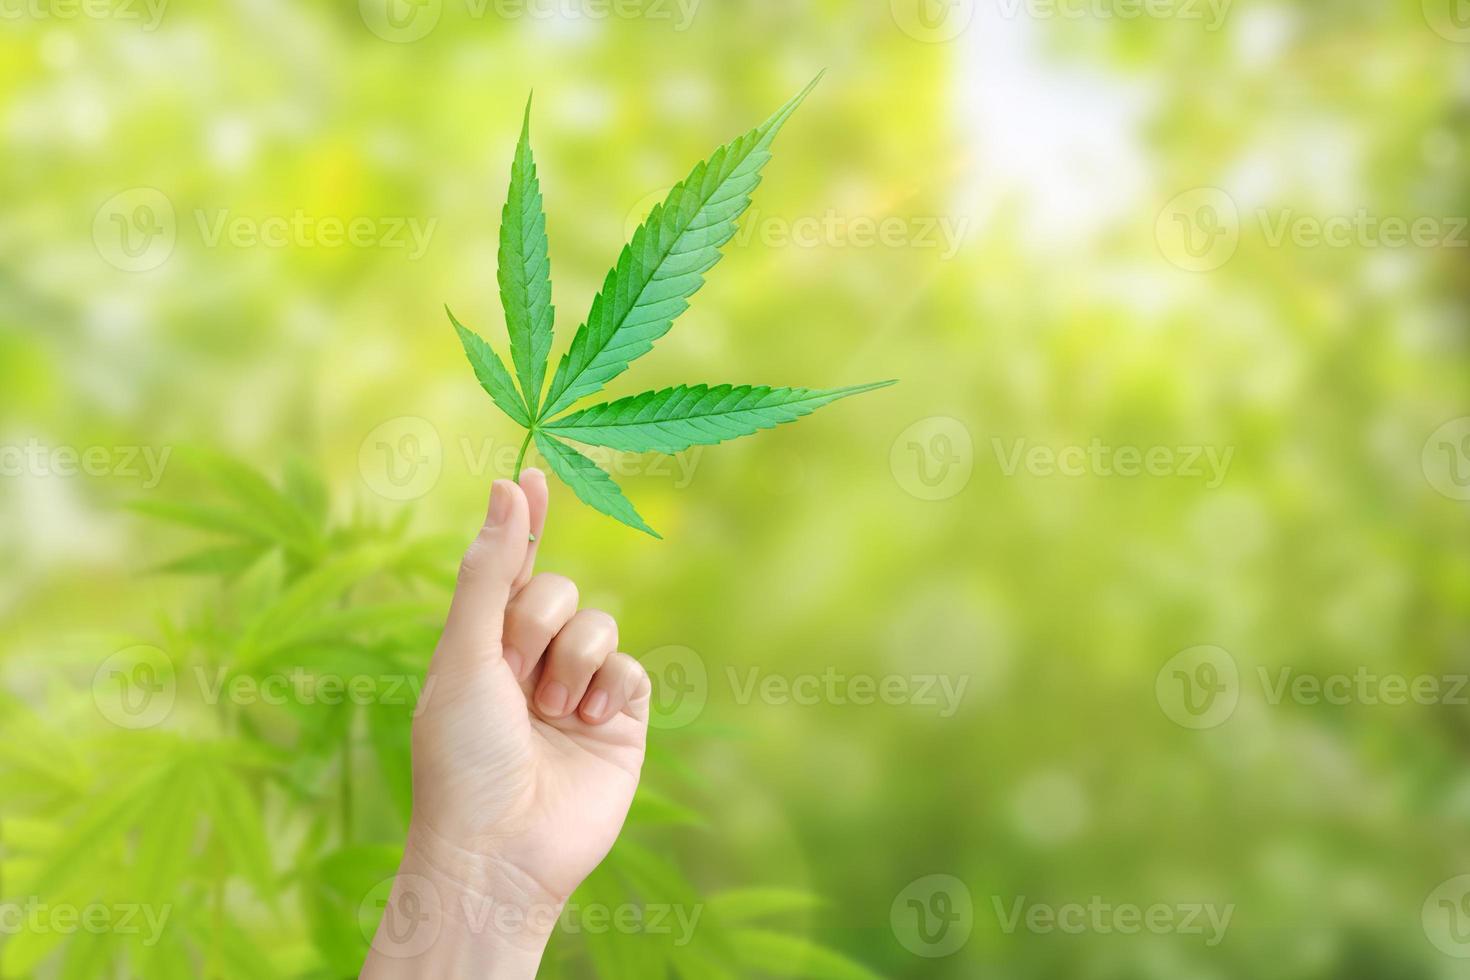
x=893, y=537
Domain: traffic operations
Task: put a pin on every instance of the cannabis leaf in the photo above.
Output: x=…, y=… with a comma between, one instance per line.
x=655, y=275
x=525, y=272
x=672, y=420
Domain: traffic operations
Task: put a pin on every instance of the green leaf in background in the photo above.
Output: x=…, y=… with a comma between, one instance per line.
x=656, y=274
x=525, y=273
x=591, y=485
x=673, y=419
x=783, y=955
x=491, y=372
x=741, y=905
x=665, y=263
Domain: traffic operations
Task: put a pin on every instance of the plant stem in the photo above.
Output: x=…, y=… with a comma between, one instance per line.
x=521, y=458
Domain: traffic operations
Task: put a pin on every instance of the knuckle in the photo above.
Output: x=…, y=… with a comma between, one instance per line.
x=600, y=623
x=577, y=657
x=546, y=620
x=556, y=588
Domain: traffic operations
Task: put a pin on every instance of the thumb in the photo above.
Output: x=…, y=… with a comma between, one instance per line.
x=489, y=570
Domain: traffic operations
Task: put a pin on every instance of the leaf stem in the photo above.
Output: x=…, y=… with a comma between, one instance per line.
x=521, y=457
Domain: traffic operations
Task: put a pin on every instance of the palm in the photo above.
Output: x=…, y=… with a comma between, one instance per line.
x=551, y=794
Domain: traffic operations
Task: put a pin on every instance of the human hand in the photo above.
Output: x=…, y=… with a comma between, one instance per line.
x=525, y=759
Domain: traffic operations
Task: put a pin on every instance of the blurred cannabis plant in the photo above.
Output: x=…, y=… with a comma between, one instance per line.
x=259, y=819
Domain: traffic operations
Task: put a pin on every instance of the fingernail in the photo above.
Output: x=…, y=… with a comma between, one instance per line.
x=553, y=698
x=596, y=705
x=499, y=502
x=515, y=663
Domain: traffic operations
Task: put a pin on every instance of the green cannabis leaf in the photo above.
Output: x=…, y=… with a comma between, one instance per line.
x=655, y=275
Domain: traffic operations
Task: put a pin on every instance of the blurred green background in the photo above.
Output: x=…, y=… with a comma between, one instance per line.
x=1126, y=638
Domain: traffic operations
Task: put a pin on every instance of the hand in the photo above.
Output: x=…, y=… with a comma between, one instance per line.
x=526, y=755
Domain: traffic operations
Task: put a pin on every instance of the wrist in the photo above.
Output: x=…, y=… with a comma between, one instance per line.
x=455, y=912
